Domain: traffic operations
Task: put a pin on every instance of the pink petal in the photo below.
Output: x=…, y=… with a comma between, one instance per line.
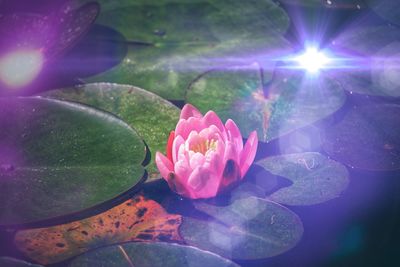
x=178, y=141
x=190, y=111
x=202, y=184
x=184, y=127
x=211, y=132
x=196, y=160
x=231, y=152
x=211, y=118
x=164, y=165
x=234, y=134
x=248, y=153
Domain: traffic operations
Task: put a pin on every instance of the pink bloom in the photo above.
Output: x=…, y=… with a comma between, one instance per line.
x=204, y=156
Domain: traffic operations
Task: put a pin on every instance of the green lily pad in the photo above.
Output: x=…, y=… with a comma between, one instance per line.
x=59, y=158
x=11, y=262
x=170, y=43
x=149, y=114
x=387, y=9
x=150, y=254
x=248, y=229
x=370, y=52
x=315, y=178
x=368, y=137
x=292, y=103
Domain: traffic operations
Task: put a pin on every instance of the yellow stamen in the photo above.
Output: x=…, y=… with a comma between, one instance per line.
x=204, y=146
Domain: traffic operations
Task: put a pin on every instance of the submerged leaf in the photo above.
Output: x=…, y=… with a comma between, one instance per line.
x=150, y=254
x=247, y=229
x=371, y=60
x=368, y=137
x=315, y=178
x=137, y=219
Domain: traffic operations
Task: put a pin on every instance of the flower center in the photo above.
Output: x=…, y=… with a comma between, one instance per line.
x=204, y=146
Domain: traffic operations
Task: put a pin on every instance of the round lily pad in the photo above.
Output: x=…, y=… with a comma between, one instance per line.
x=150, y=254
x=315, y=178
x=170, y=43
x=59, y=158
x=149, y=114
x=248, y=229
x=292, y=102
x=368, y=137
x=370, y=65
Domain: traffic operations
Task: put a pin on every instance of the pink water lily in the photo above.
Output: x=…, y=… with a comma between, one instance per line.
x=204, y=156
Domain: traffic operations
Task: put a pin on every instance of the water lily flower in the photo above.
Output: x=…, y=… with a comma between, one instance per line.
x=204, y=156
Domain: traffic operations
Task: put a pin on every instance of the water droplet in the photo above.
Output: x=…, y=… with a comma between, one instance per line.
x=160, y=32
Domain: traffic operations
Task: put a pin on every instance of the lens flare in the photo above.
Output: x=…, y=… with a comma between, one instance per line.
x=19, y=68
x=312, y=60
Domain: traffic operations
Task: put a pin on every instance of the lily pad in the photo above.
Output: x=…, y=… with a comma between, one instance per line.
x=387, y=9
x=315, y=178
x=51, y=34
x=292, y=102
x=137, y=219
x=371, y=65
x=59, y=158
x=248, y=229
x=170, y=43
x=149, y=114
x=11, y=262
x=150, y=254
x=368, y=137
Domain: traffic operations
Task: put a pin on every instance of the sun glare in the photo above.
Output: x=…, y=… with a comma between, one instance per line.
x=19, y=68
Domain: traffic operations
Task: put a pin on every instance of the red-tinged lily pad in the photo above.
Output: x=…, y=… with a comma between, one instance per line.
x=11, y=262
x=150, y=115
x=293, y=102
x=150, y=254
x=315, y=178
x=60, y=158
x=248, y=229
x=368, y=137
x=170, y=43
x=137, y=219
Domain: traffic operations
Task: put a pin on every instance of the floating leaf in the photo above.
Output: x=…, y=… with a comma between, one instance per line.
x=150, y=254
x=237, y=93
x=387, y=9
x=315, y=178
x=137, y=219
x=173, y=42
x=11, y=262
x=368, y=137
x=248, y=229
x=152, y=116
x=52, y=34
x=370, y=52
x=59, y=158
